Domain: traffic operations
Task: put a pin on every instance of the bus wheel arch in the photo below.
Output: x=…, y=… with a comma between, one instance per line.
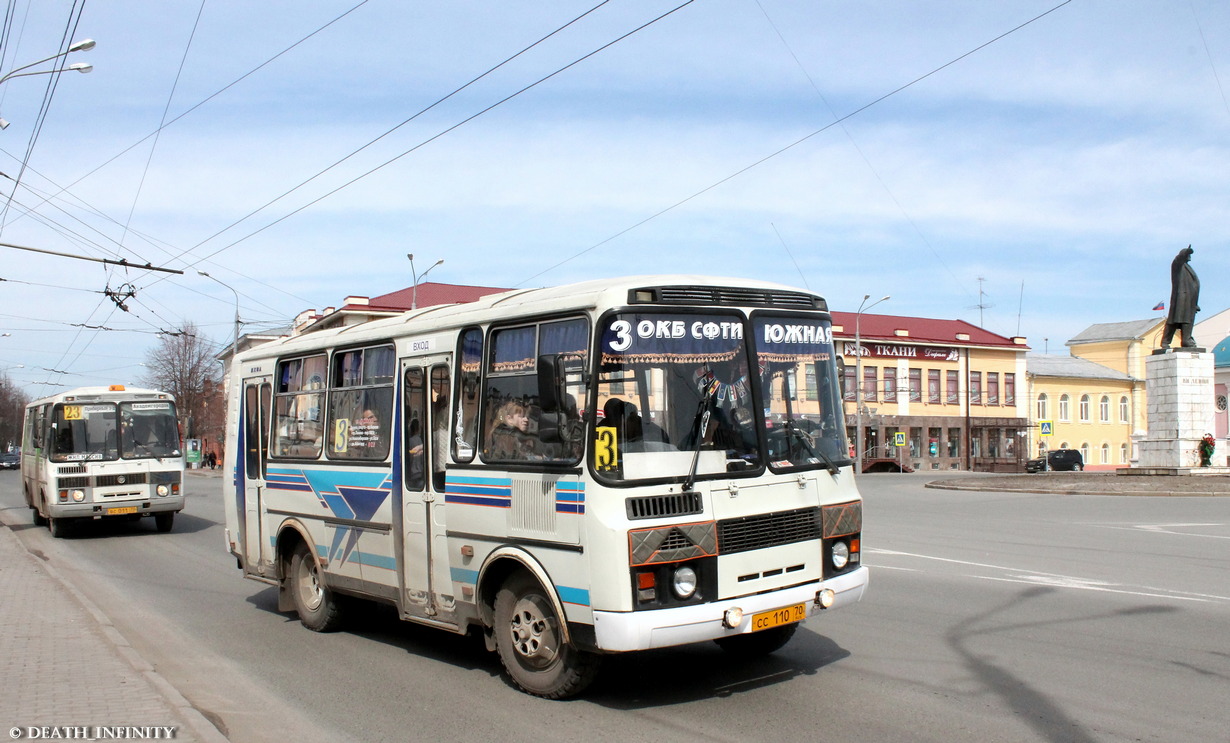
x=527, y=626
x=302, y=587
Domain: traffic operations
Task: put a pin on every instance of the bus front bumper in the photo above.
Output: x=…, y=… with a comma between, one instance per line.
x=643, y=630
x=141, y=507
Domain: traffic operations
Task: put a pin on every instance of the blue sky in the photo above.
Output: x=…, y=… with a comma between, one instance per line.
x=1064, y=164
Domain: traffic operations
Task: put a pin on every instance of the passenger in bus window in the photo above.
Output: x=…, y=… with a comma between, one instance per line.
x=509, y=439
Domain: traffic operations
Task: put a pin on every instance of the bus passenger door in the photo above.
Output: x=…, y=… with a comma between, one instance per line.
x=257, y=396
x=424, y=549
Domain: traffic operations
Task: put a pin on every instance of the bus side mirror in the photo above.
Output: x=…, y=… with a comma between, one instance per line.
x=550, y=382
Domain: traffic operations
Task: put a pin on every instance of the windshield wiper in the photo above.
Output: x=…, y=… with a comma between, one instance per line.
x=701, y=423
x=815, y=453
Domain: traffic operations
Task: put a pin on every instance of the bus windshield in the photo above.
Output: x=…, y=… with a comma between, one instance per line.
x=804, y=421
x=102, y=431
x=675, y=397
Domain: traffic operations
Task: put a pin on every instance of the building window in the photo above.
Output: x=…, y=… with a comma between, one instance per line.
x=975, y=388
x=992, y=388
x=890, y=384
x=915, y=385
x=1044, y=407
x=954, y=442
x=1105, y=453
x=1085, y=453
x=1104, y=409
x=1009, y=389
x=1123, y=454
x=869, y=383
x=847, y=382
x=1065, y=414
x=1123, y=410
x=954, y=389
x=933, y=386
x=916, y=442
x=1084, y=408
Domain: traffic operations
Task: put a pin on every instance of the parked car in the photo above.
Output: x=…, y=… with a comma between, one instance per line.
x=1058, y=460
x=10, y=460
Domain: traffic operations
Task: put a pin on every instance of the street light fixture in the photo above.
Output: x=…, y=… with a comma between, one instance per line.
x=414, y=293
x=235, y=343
x=858, y=378
x=81, y=46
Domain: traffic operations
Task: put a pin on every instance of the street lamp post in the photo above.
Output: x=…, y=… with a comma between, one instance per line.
x=81, y=46
x=235, y=343
x=858, y=379
x=414, y=293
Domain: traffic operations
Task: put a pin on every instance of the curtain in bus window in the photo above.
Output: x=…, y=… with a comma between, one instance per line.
x=514, y=350
x=569, y=336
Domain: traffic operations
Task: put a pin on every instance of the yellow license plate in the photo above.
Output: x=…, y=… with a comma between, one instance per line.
x=778, y=617
x=121, y=511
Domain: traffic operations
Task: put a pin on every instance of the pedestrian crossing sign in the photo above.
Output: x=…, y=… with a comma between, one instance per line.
x=1045, y=428
x=899, y=439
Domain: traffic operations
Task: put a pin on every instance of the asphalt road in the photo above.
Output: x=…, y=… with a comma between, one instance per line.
x=990, y=617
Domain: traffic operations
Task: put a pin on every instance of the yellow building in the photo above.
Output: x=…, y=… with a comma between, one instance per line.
x=954, y=390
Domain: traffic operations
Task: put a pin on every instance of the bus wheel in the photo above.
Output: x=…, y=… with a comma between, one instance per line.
x=318, y=609
x=38, y=518
x=58, y=527
x=531, y=646
x=757, y=644
x=164, y=521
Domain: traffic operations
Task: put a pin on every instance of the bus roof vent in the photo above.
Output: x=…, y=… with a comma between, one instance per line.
x=725, y=295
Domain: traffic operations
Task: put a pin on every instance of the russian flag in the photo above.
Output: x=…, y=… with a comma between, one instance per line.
x=1160, y=306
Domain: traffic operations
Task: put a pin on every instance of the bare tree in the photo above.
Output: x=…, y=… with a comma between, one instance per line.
x=12, y=410
x=183, y=364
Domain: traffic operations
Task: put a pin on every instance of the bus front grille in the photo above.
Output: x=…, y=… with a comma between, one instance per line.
x=768, y=530
x=663, y=506
x=131, y=478
x=65, y=483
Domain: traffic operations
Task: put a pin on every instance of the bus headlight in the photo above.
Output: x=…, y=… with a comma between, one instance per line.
x=683, y=582
x=841, y=555
x=163, y=490
x=78, y=495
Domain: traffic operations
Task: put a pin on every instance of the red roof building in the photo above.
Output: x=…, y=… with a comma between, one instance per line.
x=933, y=394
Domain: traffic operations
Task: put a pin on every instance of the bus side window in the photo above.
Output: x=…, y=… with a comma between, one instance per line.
x=415, y=435
x=439, y=425
x=465, y=430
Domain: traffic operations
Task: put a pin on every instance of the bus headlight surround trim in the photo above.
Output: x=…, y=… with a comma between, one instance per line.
x=840, y=555
x=684, y=582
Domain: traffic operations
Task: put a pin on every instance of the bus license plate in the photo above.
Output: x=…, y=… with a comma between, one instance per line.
x=778, y=617
x=121, y=511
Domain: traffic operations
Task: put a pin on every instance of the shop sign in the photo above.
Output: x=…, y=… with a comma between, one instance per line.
x=901, y=351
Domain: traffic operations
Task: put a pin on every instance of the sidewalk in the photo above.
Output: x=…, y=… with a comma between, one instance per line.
x=64, y=666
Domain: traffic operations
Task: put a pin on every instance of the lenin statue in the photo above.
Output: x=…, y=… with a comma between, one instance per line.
x=1184, y=298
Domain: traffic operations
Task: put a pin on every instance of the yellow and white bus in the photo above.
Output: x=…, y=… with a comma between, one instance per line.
x=575, y=471
x=101, y=452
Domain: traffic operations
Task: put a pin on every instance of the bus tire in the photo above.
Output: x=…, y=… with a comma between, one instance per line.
x=58, y=527
x=758, y=644
x=37, y=517
x=164, y=521
x=316, y=605
x=531, y=643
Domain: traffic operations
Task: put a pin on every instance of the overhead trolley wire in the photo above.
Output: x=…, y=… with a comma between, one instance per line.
x=793, y=144
x=407, y=121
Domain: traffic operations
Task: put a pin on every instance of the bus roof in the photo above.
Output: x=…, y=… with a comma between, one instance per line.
x=543, y=301
x=105, y=393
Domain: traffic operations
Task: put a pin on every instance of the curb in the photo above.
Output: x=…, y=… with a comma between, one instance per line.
x=984, y=487
x=200, y=726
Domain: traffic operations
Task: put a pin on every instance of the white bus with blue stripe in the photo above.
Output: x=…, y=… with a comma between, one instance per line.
x=572, y=472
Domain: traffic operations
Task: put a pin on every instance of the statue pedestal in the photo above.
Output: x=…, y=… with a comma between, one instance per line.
x=1179, y=389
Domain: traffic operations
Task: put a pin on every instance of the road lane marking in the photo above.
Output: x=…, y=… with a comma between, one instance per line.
x=1058, y=580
